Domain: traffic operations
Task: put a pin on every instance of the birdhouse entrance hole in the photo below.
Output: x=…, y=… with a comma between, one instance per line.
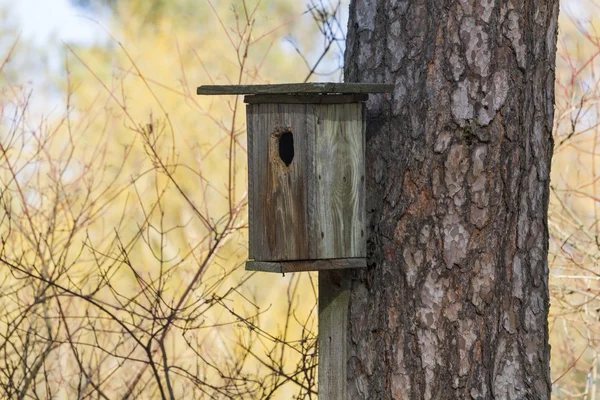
x=286, y=147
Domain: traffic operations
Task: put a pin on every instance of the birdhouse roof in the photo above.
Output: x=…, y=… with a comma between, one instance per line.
x=297, y=88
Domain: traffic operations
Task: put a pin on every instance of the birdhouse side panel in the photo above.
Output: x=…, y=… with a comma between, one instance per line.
x=280, y=138
x=338, y=223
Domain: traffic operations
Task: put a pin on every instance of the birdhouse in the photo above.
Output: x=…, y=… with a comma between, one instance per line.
x=306, y=174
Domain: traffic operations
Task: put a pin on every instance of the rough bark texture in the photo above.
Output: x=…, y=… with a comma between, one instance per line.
x=454, y=303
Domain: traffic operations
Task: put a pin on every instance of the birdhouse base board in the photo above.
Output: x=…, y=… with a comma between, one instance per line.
x=305, y=265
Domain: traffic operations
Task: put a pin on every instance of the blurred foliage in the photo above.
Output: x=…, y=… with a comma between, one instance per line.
x=574, y=219
x=127, y=190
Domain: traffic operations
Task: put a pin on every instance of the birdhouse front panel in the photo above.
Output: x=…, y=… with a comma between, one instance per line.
x=339, y=223
x=306, y=181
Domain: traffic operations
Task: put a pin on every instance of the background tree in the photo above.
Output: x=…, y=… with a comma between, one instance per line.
x=455, y=301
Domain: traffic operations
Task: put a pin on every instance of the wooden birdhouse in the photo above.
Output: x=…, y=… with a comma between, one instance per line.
x=306, y=174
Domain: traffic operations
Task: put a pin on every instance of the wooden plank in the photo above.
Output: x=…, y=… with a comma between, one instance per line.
x=334, y=298
x=338, y=219
x=252, y=159
x=279, y=198
x=306, y=98
x=305, y=265
x=296, y=88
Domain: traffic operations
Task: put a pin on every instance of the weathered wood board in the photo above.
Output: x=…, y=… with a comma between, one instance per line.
x=296, y=88
x=334, y=298
x=306, y=98
x=339, y=213
x=278, y=194
x=305, y=265
x=312, y=208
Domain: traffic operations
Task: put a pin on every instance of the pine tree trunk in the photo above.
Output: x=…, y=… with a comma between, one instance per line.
x=454, y=303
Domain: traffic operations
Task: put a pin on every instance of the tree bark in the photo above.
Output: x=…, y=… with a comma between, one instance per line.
x=454, y=302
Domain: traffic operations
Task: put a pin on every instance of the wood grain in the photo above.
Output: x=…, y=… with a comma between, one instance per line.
x=339, y=213
x=279, y=196
x=334, y=298
x=305, y=265
x=296, y=88
x=306, y=98
x=313, y=208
